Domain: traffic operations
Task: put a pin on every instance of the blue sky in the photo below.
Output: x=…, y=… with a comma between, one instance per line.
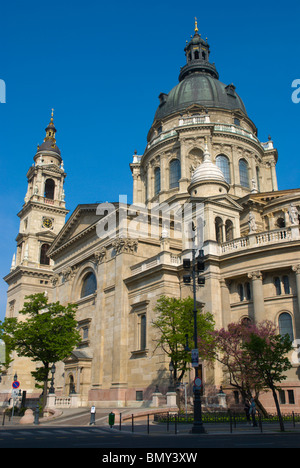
x=101, y=66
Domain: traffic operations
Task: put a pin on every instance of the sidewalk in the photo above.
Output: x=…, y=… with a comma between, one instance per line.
x=80, y=417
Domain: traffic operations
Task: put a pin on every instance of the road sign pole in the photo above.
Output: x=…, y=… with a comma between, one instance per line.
x=15, y=385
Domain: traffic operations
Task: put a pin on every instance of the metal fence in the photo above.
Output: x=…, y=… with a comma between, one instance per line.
x=226, y=422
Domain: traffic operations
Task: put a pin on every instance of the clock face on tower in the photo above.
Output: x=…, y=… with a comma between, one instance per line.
x=47, y=223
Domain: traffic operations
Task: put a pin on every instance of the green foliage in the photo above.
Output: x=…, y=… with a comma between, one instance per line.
x=175, y=321
x=269, y=355
x=48, y=334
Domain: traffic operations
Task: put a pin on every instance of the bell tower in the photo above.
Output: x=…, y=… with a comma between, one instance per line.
x=41, y=218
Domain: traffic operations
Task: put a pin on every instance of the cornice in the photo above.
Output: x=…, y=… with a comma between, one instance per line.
x=22, y=270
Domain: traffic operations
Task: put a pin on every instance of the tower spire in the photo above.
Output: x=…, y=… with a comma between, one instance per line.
x=196, y=26
x=51, y=130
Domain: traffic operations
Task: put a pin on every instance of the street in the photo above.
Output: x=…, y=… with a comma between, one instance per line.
x=106, y=439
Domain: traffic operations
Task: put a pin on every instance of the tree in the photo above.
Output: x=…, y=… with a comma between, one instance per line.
x=47, y=335
x=254, y=357
x=227, y=347
x=269, y=356
x=175, y=322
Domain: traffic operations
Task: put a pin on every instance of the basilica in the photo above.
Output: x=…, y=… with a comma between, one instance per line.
x=202, y=158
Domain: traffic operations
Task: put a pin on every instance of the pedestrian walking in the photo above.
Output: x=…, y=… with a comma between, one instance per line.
x=247, y=412
x=252, y=412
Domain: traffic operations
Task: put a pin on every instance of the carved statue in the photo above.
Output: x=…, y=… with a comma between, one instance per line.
x=252, y=222
x=293, y=214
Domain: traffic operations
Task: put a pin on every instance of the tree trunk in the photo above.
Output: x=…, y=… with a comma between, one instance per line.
x=45, y=390
x=261, y=408
x=278, y=409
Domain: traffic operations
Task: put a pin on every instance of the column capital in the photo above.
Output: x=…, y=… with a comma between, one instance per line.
x=255, y=275
x=296, y=269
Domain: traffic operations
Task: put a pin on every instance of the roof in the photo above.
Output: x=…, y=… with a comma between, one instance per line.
x=202, y=89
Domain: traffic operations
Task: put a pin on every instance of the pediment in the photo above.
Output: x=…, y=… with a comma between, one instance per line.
x=221, y=200
x=77, y=356
x=83, y=219
x=226, y=200
x=272, y=198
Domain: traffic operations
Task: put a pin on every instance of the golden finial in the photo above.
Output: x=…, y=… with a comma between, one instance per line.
x=196, y=25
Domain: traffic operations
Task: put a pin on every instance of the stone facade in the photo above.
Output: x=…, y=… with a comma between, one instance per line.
x=116, y=261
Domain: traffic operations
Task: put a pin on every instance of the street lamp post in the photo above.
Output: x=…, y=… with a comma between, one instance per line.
x=52, y=389
x=171, y=369
x=198, y=424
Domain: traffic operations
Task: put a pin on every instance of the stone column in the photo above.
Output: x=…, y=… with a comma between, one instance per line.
x=258, y=296
x=296, y=269
x=273, y=176
x=226, y=312
x=163, y=167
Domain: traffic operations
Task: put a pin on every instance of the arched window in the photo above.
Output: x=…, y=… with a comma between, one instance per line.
x=49, y=189
x=246, y=322
x=89, y=285
x=222, y=163
x=286, y=325
x=157, y=181
x=258, y=178
x=244, y=176
x=44, y=259
x=248, y=291
x=229, y=230
x=175, y=173
x=71, y=385
x=286, y=284
x=219, y=230
x=143, y=332
x=280, y=223
x=241, y=292
x=277, y=284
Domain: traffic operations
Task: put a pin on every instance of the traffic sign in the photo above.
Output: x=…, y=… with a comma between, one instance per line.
x=16, y=384
x=195, y=357
x=197, y=382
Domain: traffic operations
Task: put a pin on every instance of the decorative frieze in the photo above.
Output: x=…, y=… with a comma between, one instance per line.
x=125, y=245
x=69, y=273
x=100, y=255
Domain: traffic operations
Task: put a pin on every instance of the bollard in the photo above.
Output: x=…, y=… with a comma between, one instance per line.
x=93, y=416
x=260, y=422
x=230, y=421
x=294, y=422
x=111, y=419
x=36, y=415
